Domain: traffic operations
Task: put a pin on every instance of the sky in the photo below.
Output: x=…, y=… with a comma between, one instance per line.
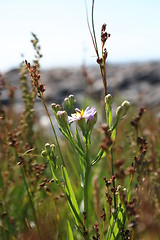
x=61, y=26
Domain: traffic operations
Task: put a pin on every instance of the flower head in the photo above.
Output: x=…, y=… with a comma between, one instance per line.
x=86, y=119
x=88, y=114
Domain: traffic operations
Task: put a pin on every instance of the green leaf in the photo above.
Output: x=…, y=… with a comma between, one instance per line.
x=71, y=197
x=100, y=154
x=70, y=234
x=110, y=229
x=116, y=222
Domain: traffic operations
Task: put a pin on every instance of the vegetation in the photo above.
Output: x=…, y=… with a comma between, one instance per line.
x=97, y=181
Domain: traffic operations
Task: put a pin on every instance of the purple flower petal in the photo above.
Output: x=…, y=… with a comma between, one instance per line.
x=88, y=114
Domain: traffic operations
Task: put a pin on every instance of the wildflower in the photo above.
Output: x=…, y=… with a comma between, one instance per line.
x=88, y=114
x=86, y=119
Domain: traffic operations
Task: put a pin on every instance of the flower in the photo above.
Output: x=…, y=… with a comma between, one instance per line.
x=85, y=119
x=88, y=114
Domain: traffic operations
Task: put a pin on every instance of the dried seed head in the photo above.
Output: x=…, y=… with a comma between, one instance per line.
x=119, y=163
x=99, y=61
x=103, y=29
x=104, y=34
x=42, y=87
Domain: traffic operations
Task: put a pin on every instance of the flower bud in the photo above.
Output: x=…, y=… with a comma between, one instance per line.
x=126, y=105
x=72, y=101
x=109, y=99
x=69, y=104
x=66, y=104
x=53, y=148
x=55, y=107
x=62, y=118
x=48, y=148
x=120, y=112
x=44, y=153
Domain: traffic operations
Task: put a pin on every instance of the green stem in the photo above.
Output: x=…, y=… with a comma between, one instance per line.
x=103, y=74
x=30, y=199
x=59, y=149
x=86, y=184
x=105, y=78
x=114, y=186
x=115, y=125
x=94, y=34
x=86, y=194
x=72, y=142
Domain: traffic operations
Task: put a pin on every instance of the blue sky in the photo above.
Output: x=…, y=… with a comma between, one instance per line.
x=61, y=26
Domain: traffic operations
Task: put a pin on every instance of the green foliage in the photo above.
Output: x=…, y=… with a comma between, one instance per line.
x=16, y=203
x=71, y=197
x=70, y=234
x=107, y=174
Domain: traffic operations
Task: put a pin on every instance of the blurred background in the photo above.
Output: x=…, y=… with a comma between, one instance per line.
x=62, y=29
x=69, y=67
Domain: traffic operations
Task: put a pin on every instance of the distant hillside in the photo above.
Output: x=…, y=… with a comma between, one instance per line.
x=137, y=82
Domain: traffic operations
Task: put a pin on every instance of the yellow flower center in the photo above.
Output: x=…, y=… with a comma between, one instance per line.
x=79, y=114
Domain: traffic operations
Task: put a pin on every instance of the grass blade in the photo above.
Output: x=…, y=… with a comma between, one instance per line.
x=71, y=197
x=70, y=234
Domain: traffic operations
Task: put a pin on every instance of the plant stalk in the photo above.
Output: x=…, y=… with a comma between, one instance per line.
x=114, y=185
x=86, y=184
x=59, y=149
x=30, y=199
